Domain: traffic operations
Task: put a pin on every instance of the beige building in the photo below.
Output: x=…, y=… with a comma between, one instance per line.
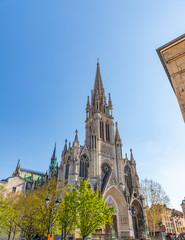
x=172, y=56
x=14, y=184
x=173, y=221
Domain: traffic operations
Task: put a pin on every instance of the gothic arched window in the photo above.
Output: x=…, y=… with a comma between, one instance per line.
x=128, y=177
x=101, y=129
x=84, y=165
x=67, y=168
x=107, y=132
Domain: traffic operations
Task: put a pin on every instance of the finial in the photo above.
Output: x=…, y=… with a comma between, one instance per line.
x=125, y=155
x=69, y=144
x=97, y=60
x=66, y=141
x=131, y=150
x=116, y=124
x=76, y=131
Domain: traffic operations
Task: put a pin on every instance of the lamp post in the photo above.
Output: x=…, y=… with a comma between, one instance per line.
x=57, y=202
x=133, y=214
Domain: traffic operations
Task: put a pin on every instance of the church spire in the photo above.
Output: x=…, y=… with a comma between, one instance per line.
x=54, y=151
x=98, y=84
x=53, y=163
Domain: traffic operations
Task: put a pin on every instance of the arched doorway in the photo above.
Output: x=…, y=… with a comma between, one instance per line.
x=120, y=217
x=138, y=219
x=111, y=202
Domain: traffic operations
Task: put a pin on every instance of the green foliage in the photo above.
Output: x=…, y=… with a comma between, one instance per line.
x=7, y=213
x=33, y=217
x=92, y=212
x=68, y=212
x=81, y=209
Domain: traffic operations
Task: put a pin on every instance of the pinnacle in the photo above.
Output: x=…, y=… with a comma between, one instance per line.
x=76, y=136
x=117, y=137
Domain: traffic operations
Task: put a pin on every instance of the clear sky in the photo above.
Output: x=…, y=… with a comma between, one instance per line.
x=48, y=54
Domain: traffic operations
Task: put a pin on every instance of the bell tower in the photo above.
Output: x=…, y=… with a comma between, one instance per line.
x=99, y=126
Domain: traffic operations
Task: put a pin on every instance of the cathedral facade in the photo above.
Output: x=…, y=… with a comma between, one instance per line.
x=100, y=161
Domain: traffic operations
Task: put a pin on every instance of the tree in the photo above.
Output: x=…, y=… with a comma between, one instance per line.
x=7, y=213
x=68, y=212
x=92, y=211
x=33, y=215
x=156, y=201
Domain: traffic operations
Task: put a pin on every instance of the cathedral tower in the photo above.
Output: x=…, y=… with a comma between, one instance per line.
x=100, y=161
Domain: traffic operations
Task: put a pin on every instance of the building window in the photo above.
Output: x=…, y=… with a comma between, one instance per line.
x=107, y=132
x=101, y=129
x=14, y=189
x=67, y=169
x=84, y=165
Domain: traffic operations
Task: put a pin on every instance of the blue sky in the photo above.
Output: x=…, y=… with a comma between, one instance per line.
x=47, y=68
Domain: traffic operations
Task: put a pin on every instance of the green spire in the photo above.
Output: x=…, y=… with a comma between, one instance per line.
x=53, y=163
x=54, y=151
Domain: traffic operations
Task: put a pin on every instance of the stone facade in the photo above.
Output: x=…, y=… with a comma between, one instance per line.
x=101, y=162
x=172, y=56
x=14, y=184
x=174, y=222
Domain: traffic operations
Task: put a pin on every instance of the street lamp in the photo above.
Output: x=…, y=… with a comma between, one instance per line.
x=57, y=202
x=133, y=214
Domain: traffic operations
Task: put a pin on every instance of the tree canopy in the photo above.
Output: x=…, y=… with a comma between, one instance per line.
x=156, y=201
x=80, y=208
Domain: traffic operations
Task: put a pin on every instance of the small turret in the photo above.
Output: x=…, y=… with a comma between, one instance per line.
x=87, y=108
x=110, y=105
x=65, y=147
x=117, y=137
x=118, y=143
x=76, y=142
x=131, y=157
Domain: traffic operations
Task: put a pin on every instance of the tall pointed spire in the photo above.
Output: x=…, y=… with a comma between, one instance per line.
x=98, y=84
x=54, y=151
x=53, y=163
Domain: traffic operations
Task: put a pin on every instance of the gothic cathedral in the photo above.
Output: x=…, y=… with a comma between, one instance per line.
x=101, y=162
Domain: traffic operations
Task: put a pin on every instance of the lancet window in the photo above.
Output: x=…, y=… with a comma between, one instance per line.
x=93, y=142
x=107, y=132
x=101, y=129
x=84, y=165
x=67, y=169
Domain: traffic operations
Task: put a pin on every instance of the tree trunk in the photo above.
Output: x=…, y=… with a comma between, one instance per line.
x=9, y=234
x=14, y=233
